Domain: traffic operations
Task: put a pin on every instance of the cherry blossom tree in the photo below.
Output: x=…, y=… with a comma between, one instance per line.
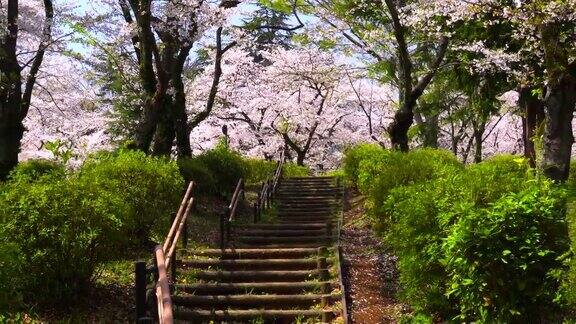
x=305, y=99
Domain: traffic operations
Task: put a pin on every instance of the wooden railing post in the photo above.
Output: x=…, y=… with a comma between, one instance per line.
x=185, y=235
x=140, y=289
x=269, y=194
x=173, y=267
x=222, y=229
x=228, y=224
x=255, y=210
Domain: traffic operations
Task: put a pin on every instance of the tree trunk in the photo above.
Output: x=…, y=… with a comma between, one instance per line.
x=534, y=115
x=300, y=157
x=153, y=89
x=11, y=132
x=558, y=138
x=400, y=126
x=560, y=101
x=15, y=101
x=431, y=131
x=181, y=125
x=165, y=133
x=478, y=134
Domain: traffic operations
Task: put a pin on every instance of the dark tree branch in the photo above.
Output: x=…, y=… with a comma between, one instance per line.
x=220, y=51
x=35, y=67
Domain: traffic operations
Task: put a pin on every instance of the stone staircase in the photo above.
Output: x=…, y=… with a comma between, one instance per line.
x=285, y=270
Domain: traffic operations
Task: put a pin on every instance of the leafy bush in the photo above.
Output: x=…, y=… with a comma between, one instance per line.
x=568, y=291
x=224, y=165
x=294, y=170
x=495, y=177
x=258, y=170
x=475, y=244
x=151, y=187
x=419, y=216
x=382, y=172
x=11, y=269
x=56, y=229
x=356, y=154
x=218, y=170
x=33, y=170
x=500, y=259
x=195, y=170
x=62, y=228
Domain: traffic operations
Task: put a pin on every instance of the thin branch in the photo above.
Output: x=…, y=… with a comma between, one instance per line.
x=46, y=36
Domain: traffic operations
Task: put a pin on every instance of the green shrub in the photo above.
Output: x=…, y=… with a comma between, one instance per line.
x=33, y=170
x=195, y=170
x=497, y=176
x=62, y=229
x=354, y=155
x=294, y=170
x=382, y=172
x=568, y=291
x=480, y=244
x=500, y=259
x=225, y=166
x=151, y=187
x=419, y=216
x=258, y=170
x=11, y=279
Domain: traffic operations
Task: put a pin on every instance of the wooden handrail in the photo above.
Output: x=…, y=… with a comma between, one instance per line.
x=183, y=204
x=181, y=224
x=269, y=187
x=235, y=198
x=278, y=173
x=163, y=255
x=227, y=218
x=163, y=289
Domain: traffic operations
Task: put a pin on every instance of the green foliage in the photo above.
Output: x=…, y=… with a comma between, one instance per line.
x=218, y=170
x=195, y=170
x=224, y=166
x=483, y=243
x=568, y=290
x=418, y=216
x=152, y=188
x=356, y=154
x=500, y=258
x=33, y=170
x=57, y=228
x=294, y=170
x=258, y=170
x=61, y=150
x=62, y=229
x=382, y=171
x=11, y=268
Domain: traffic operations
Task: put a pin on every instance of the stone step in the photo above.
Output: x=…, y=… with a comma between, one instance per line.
x=280, y=245
x=255, y=287
x=279, y=232
x=253, y=301
x=232, y=315
x=239, y=253
x=251, y=264
x=276, y=240
x=255, y=276
x=262, y=226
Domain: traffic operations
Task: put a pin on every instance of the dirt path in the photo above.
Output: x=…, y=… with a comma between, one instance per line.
x=369, y=271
